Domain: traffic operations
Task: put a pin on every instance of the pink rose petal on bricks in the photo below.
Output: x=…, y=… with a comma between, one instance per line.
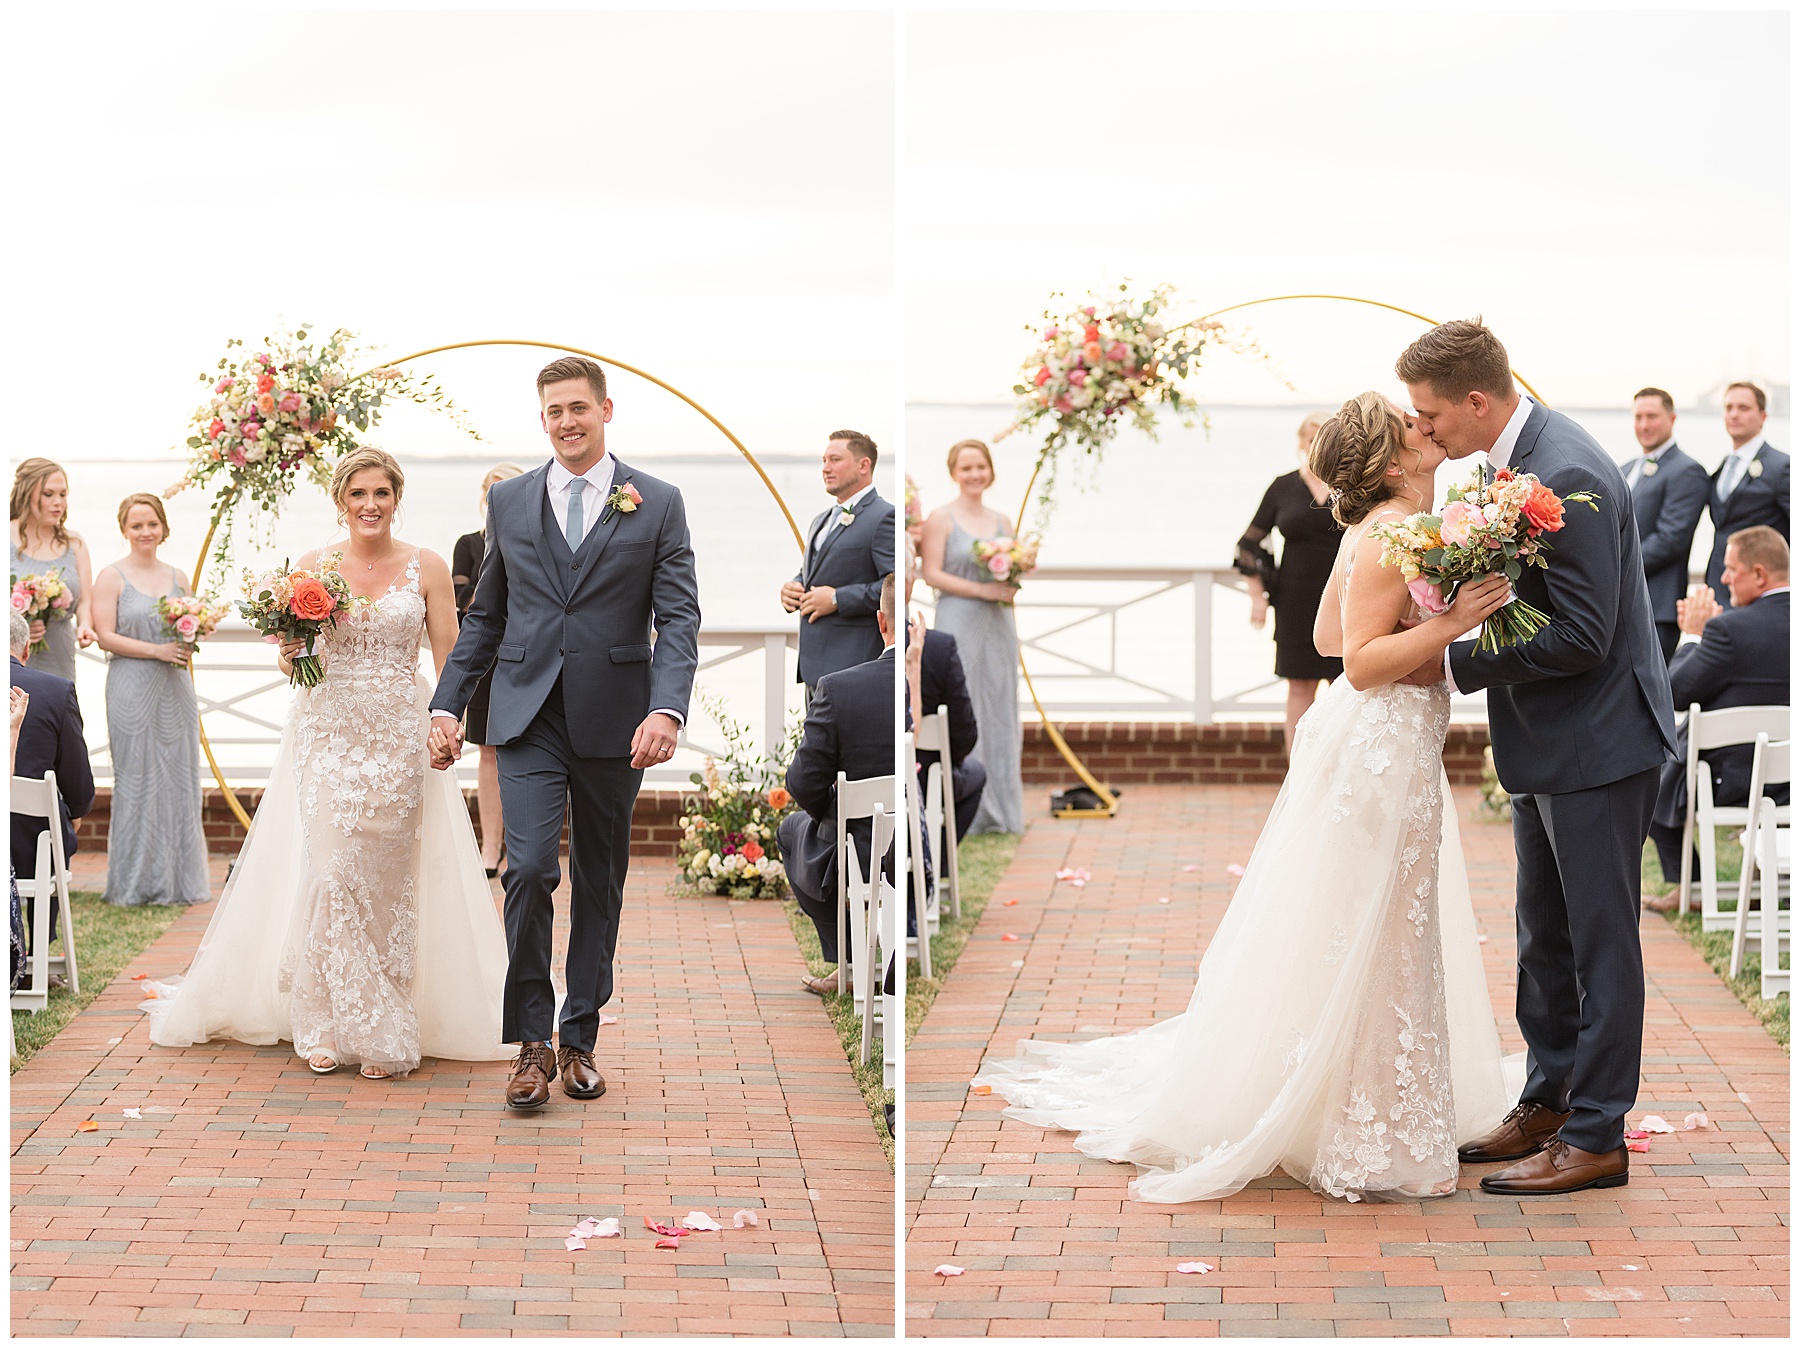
x=947, y=1271
x=1655, y=1123
x=1234, y=869
x=1194, y=1268
x=745, y=1217
x=1691, y=1122
x=574, y=1243
x=1637, y=1146
x=700, y=1221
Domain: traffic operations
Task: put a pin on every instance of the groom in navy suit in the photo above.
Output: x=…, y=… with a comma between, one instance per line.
x=589, y=615
x=1581, y=724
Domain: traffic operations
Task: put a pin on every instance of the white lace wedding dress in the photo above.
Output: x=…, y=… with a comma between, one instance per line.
x=1340, y=1028
x=357, y=920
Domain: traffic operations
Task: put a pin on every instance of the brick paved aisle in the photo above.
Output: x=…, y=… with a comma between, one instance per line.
x=1696, y=1244
x=254, y=1198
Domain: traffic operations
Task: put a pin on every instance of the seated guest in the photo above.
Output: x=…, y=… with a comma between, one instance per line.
x=849, y=728
x=1740, y=659
x=1668, y=496
x=941, y=684
x=1751, y=485
x=50, y=740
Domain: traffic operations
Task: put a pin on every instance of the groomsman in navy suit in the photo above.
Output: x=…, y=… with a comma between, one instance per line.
x=1751, y=486
x=1668, y=496
x=849, y=548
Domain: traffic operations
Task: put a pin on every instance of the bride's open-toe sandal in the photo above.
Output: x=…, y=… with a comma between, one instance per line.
x=322, y=1063
x=373, y=1074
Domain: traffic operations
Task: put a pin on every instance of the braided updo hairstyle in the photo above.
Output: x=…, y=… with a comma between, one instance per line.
x=1351, y=454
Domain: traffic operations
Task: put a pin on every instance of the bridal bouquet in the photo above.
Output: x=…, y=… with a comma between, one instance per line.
x=288, y=604
x=41, y=598
x=188, y=619
x=728, y=844
x=1486, y=528
x=1008, y=560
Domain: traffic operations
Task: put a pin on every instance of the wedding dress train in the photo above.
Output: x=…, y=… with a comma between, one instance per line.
x=1340, y=1028
x=357, y=921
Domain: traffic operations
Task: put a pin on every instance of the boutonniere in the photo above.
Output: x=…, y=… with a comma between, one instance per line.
x=623, y=499
x=1756, y=468
x=846, y=517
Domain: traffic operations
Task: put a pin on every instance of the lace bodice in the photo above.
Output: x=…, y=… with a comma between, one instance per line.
x=378, y=642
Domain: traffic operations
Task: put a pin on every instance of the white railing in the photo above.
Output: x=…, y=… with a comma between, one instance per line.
x=1150, y=643
x=244, y=700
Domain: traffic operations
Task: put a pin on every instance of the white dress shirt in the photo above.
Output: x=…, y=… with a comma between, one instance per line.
x=1499, y=456
x=559, y=482
x=1734, y=473
x=831, y=520
x=1635, y=472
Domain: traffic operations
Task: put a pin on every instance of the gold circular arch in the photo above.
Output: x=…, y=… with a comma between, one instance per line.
x=1110, y=802
x=227, y=498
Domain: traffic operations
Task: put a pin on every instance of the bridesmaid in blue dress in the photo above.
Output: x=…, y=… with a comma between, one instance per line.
x=977, y=610
x=42, y=542
x=155, y=847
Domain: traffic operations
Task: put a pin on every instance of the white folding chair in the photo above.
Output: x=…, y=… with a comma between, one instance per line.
x=1715, y=730
x=49, y=885
x=1775, y=864
x=924, y=896
x=878, y=940
x=933, y=733
x=864, y=798
x=1768, y=767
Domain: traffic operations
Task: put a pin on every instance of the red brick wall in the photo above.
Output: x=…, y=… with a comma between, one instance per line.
x=1122, y=753
x=653, y=828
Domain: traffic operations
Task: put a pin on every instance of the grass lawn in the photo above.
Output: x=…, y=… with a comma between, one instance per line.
x=842, y=1010
x=107, y=938
x=1715, y=946
x=981, y=860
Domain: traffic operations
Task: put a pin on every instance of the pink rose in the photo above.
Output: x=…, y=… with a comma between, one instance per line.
x=1089, y=311
x=1459, y=520
x=1043, y=375
x=631, y=494
x=1117, y=351
x=999, y=564
x=187, y=625
x=249, y=429
x=290, y=402
x=1427, y=596
x=1078, y=377
x=1050, y=334
x=61, y=601
x=20, y=601
x=224, y=384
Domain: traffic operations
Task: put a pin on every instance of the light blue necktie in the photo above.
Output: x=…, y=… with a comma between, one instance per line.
x=572, y=531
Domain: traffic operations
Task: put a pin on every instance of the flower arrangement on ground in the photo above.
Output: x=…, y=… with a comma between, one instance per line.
x=728, y=844
x=287, y=412
x=1486, y=528
x=41, y=598
x=290, y=604
x=189, y=619
x=1008, y=560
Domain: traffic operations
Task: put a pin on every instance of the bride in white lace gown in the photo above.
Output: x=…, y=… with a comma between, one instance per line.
x=1340, y=1028
x=358, y=922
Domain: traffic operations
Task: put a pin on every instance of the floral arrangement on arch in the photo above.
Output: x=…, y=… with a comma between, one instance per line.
x=285, y=412
x=728, y=844
x=1105, y=364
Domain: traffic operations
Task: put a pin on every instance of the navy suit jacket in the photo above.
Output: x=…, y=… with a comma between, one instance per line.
x=942, y=683
x=1741, y=660
x=1585, y=702
x=1762, y=499
x=1668, y=504
x=854, y=559
x=50, y=740
x=618, y=620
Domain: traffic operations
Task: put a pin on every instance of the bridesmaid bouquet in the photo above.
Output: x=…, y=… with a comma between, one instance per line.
x=289, y=604
x=1486, y=528
x=1008, y=560
x=188, y=619
x=41, y=599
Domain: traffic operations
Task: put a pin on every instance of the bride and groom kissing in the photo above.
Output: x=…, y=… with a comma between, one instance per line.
x=358, y=922
x=1366, y=1062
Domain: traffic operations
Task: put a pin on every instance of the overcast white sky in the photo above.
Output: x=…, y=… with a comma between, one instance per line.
x=1609, y=189
x=708, y=196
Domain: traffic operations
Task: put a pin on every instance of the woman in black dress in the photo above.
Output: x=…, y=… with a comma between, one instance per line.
x=465, y=570
x=1299, y=505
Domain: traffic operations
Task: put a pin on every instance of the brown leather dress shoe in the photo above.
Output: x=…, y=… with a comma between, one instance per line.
x=1520, y=1134
x=529, y=1086
x=581, y=1080
x=820, y=985
x=1562, y=1169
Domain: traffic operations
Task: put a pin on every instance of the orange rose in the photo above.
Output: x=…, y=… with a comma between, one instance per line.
x=1544, y=509
x=311, y=600
x=779, y=798
x=753, y=850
